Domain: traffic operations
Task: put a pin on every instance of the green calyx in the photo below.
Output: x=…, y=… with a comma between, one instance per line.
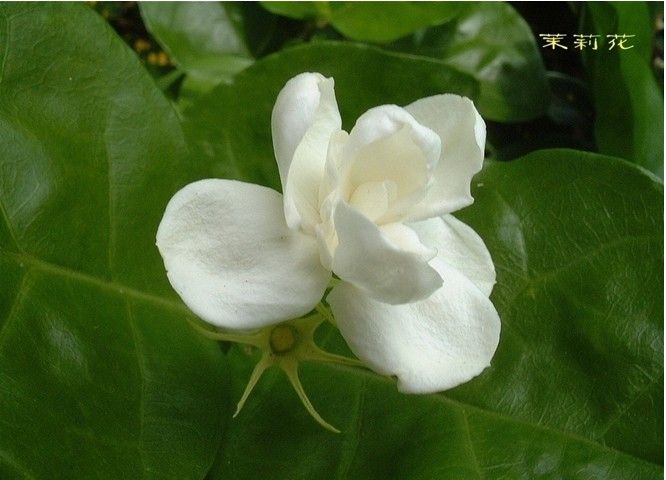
x=285, y=346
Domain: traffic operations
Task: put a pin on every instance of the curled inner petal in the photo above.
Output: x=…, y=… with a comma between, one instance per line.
x=304, y=118
x=463, y=135
x=390, y=155
x=374, y=198
x=377, y=262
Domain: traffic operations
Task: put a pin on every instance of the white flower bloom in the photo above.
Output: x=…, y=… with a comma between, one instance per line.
x=372, y=206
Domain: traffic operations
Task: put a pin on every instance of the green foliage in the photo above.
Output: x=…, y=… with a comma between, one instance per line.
x=364, y=21
x=201, y=37
x=491, y=42
x=628, y=102
x=223, y=127
x=577, y=242
x=575, y=390
x=102, y=377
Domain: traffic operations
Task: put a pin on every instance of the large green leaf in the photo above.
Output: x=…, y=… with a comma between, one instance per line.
x=100, y=377
x=387, y=21
x=377, y=22
x=231, y=126
x=298, y=10
x=201, y=37
x=577, y=241
x=575, y=390
x=492, y=42
x=628, y=102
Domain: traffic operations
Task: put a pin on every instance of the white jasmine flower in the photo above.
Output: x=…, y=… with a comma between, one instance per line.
x=373, y=207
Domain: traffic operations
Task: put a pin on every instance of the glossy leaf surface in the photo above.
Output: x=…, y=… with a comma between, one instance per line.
x=231, y=126
x=580, y=295
x=575, y=390
x=491, y=41
x=628, y=102
x=100, y=377
x=373, y=22
x=377, y=22
x=200, y=37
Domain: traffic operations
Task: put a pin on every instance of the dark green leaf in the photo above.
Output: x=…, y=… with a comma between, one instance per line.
x=200, y=37
x=296, y=10
x=491, y=41
x=577, y=241
x=377, y=22
x=575, y=390
x=231, y=126
x=568, y=123
x=382, y=22
x=628, y=102
x=264, y=33
x=100, y=377
x=386, y=434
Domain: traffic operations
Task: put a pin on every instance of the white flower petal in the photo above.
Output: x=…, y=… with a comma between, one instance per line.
x=407, y=240
x=368, y=259
x=431, y=345
x=386, y=120
x=460, y=246
x=231, y=257
x=463, y=135
x=304, y=117
x=372, y=199
x=388, y=145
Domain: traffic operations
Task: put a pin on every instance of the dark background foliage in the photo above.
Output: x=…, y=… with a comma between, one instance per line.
x=107, y=109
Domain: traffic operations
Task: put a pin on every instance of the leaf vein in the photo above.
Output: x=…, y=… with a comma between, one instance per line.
x=10, y=227
x=545, y=277
x=138, y=351
x=501, y=416
x=622, y=411
x=22, y=469
x=348, y=452
x=76, y=275
x=470, y=444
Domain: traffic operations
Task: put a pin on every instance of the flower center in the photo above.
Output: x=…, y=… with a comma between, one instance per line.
x=283, y=339
x=373, y=199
